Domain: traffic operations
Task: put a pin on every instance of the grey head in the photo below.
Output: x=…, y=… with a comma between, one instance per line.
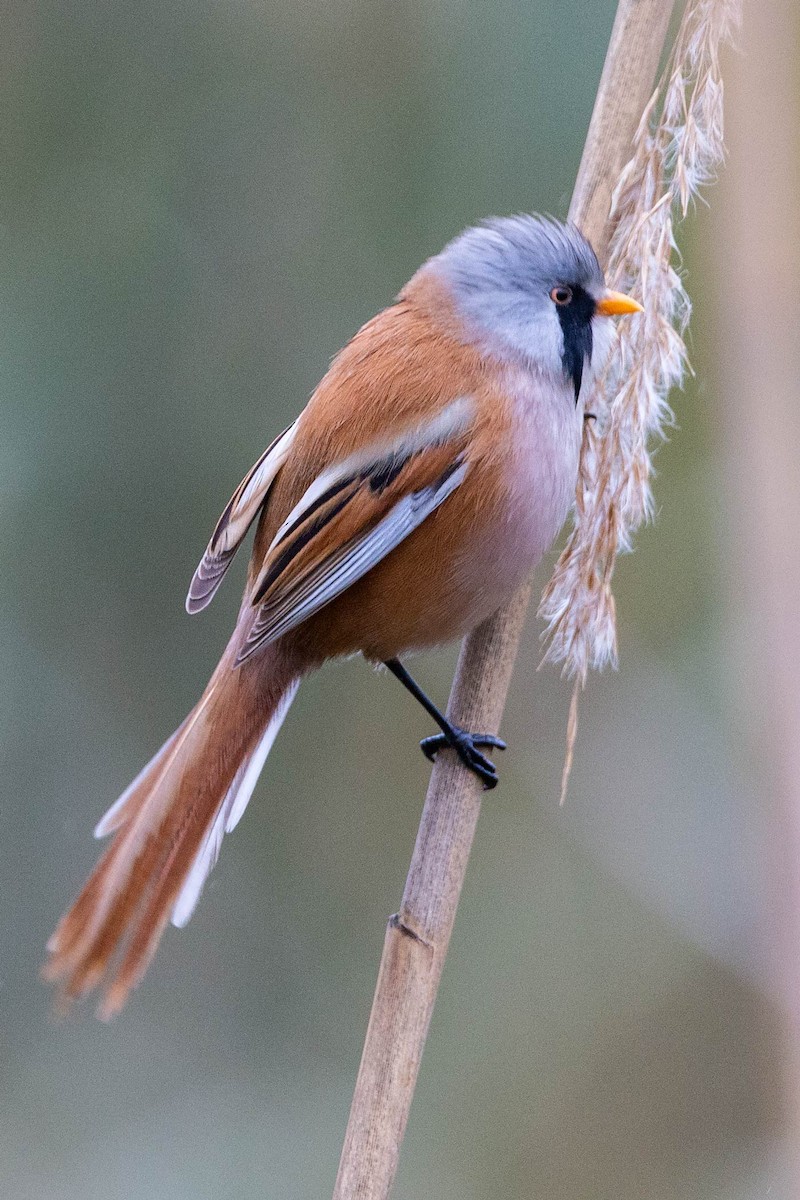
x=527, y=289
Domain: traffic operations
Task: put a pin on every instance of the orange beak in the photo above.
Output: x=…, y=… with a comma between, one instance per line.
x=614, y=304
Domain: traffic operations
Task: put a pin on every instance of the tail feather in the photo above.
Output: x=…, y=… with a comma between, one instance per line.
x=230, y=813
x=168, y=826
x=123, y=809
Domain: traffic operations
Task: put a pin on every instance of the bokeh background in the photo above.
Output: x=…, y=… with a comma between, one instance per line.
x=199, y=203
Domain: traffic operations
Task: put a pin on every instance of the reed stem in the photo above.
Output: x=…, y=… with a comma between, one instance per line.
x=417, y=937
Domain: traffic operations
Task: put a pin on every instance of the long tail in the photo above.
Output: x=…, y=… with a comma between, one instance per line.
x=168, y=827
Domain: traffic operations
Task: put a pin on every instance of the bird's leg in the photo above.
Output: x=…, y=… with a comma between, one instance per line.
x=465, y=744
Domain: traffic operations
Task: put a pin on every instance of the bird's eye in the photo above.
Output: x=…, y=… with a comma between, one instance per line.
x=561, y=295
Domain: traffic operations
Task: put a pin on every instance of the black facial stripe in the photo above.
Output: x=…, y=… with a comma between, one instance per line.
x=576, y=326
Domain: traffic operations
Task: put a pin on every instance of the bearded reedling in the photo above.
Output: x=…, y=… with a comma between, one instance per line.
x=431, y=469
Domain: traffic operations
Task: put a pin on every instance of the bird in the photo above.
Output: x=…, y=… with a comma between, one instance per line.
x=429, y=472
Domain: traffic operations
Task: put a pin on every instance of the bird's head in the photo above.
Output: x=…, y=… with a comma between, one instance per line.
x=531, y=288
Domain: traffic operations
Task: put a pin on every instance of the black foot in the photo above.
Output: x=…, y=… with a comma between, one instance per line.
x=466, y=747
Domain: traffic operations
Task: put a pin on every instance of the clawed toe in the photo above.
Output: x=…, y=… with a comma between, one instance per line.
x=466, y=746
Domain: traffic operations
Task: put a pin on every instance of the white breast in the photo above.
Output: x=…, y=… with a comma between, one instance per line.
x=540, y=468
x=543, y=464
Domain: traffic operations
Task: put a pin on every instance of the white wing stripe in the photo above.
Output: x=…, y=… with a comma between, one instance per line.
x=447, y=424
x=337, y=573
x=352, y=561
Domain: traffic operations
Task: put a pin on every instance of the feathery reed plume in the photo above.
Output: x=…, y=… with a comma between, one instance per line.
x=678, y=148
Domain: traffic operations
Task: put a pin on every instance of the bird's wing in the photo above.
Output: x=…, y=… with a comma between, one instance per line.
x=352, y=516
x=237, y=516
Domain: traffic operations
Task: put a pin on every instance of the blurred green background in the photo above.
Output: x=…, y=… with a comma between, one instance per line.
x=200, y=203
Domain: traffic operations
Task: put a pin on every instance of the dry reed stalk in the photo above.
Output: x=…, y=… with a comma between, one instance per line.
x=678, y=148
x=418, y=936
